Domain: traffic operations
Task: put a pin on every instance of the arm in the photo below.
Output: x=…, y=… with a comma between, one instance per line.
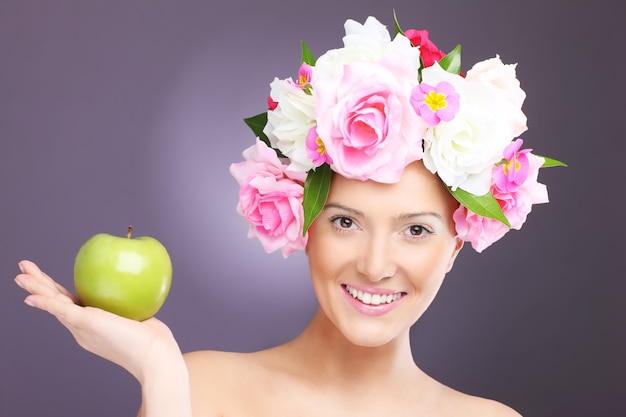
x=146, y=349
x=165, y=391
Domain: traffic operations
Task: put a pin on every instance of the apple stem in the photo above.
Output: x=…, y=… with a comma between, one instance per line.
x=130, y=232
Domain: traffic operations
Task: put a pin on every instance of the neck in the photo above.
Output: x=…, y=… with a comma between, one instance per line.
x=331, y=357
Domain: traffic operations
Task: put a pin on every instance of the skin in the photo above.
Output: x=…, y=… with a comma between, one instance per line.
x=397, y=238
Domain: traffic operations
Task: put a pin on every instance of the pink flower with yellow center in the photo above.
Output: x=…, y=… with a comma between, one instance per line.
x=435, y=104
x=315, y=149
x=304, y=74
x=304, y=78
x=513, y=172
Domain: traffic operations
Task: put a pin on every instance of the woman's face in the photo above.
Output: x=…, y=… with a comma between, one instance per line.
x=378, y=253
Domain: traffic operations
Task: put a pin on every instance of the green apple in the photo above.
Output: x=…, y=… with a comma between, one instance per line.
x=127, y=276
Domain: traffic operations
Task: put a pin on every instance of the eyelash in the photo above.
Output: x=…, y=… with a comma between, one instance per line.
x=338, y=227
x=423, y=230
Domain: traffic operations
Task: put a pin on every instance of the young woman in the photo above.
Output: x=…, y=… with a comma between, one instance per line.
x=390, y=160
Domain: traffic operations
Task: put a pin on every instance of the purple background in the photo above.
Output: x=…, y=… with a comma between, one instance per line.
x=130, y=112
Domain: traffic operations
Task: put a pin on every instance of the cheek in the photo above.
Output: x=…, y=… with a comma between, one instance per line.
x=319, y=254
x=427, y=269
x=323, y=271
x=329, y=257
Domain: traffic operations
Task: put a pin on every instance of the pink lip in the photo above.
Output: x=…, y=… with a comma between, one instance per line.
x=368, y=309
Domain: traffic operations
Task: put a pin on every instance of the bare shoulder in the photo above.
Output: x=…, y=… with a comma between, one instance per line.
x=211, y=375
x=215, y=370
x=220, y=381
x=491, y=408
x=210, y=360
x=480, y=407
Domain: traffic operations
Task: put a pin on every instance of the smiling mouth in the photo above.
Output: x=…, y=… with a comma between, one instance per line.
x=372, y=299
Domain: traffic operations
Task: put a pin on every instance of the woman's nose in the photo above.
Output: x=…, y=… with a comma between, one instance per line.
x=377, y=260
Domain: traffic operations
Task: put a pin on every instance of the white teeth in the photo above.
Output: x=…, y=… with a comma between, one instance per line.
x=367, y=298
x=372, y=299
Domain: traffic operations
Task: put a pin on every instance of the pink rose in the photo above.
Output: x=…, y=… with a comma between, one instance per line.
x=428, y=50
x=516, y=205
x=479, y=231
x=270, y=199
x=366, y=121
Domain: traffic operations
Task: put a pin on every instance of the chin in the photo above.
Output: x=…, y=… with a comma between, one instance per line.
x=372, y=336
x=371, y=343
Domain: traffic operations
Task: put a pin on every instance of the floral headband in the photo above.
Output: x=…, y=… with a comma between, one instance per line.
x=366, y=111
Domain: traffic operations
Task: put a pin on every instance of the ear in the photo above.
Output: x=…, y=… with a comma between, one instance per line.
x=457, y=248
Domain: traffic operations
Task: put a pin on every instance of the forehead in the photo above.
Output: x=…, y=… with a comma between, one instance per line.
x=417, y=190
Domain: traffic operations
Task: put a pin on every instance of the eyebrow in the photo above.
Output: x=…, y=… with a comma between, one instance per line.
x=404, y=216
x=344, y=208
x=409, y=216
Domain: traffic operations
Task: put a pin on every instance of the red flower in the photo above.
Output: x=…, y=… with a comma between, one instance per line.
x=271, y=104
x=428, y=50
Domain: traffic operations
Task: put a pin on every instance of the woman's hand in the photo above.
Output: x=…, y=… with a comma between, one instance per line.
x=135, y=346
x=146, y=349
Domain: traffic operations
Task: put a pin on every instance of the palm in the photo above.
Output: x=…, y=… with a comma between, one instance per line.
x=128, y=343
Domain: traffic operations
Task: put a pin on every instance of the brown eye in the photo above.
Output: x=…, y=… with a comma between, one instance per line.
x=417, y=230
x=343, y=222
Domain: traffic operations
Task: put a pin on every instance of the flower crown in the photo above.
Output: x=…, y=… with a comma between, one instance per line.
x=366, y=111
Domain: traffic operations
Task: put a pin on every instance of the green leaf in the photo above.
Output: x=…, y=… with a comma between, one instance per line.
x=483, y=205
x=398, y=30
x=257, y=124
x=452, y=61
x=549, y=162
x=307, y=56
x=316, y=189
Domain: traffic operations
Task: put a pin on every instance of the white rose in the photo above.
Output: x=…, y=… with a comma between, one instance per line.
x=503, y=76
x=463, y=150
x=367, y=42
x=288, y=124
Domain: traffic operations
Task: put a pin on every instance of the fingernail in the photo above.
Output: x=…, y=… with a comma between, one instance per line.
x=19, y=283
x=29, y=302
x=19, y=265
